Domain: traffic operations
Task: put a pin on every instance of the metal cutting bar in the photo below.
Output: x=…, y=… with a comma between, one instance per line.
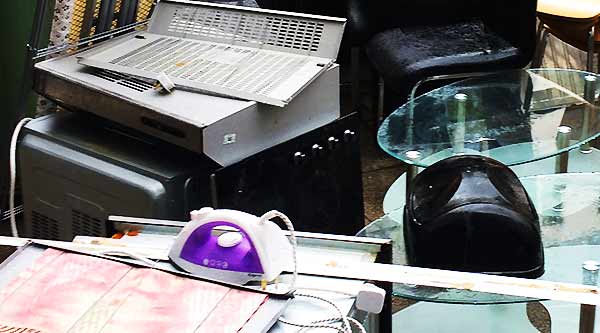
x=502, y=285
x=537, y=289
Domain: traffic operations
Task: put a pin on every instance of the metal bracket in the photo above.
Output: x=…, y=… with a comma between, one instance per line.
x=104, y=36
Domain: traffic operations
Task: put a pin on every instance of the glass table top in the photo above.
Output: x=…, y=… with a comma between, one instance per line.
x=569, y=210
x=544, y=110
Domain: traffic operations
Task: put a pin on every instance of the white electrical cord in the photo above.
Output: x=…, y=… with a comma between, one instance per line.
x=314, y=326
x=324, y=323
x=130, y=254
x=325, y=290
x=272, y=214
x=13, y=175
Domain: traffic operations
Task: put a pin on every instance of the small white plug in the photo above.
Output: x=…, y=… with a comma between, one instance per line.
x=370, y=298
x=165, y=83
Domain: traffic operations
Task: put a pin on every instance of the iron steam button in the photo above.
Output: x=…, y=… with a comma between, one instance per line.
x=229, y=239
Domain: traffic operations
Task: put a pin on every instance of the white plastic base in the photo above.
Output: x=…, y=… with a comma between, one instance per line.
x=370, y=298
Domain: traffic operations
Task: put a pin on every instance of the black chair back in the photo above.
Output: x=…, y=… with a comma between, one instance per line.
x=513, y=20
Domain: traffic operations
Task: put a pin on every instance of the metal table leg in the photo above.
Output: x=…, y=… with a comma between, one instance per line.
x=591, y=48
x=587, y=313
x=459, y=132
x=412, y=171
x=587, y=318
x=590, y=96
x=562, y=138
x=542, y=40
x=381, y=100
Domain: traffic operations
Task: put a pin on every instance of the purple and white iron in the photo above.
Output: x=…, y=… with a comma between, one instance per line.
x=231, y=246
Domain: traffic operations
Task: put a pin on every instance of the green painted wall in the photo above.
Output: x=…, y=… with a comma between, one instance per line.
x=15, y=23
x=16, y=19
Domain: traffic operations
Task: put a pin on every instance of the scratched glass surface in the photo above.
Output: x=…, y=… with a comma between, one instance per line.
x=489, y=115
x=568, y=206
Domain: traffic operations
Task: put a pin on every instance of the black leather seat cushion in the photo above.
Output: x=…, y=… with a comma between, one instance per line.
x=403, y=56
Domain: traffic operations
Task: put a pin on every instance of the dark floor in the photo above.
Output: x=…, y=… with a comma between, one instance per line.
x=379, y=172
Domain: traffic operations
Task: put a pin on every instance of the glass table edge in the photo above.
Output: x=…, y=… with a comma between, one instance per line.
x=531, y=70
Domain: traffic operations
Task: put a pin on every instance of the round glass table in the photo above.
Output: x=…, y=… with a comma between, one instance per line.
x=533, y=121
x=569, y=209
x=568, y=206
x=514, y=117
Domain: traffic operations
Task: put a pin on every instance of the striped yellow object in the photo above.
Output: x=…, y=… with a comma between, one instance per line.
x=144, y=9
x=77, y=21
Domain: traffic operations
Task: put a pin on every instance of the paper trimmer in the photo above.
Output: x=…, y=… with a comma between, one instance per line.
x=502, y=285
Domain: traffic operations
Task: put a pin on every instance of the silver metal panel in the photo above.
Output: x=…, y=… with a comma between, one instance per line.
x=183, y=117
x=265, y=76
x=269, y=125
x=178, y=118
x=197, y=109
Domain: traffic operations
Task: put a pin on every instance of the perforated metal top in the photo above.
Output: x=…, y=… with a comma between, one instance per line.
x=288, y=33
x=214, y=64
x=313, y=35
x=251, y=54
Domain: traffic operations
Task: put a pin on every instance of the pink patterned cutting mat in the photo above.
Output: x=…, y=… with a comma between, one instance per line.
x=64, y=292
x=6, y=329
